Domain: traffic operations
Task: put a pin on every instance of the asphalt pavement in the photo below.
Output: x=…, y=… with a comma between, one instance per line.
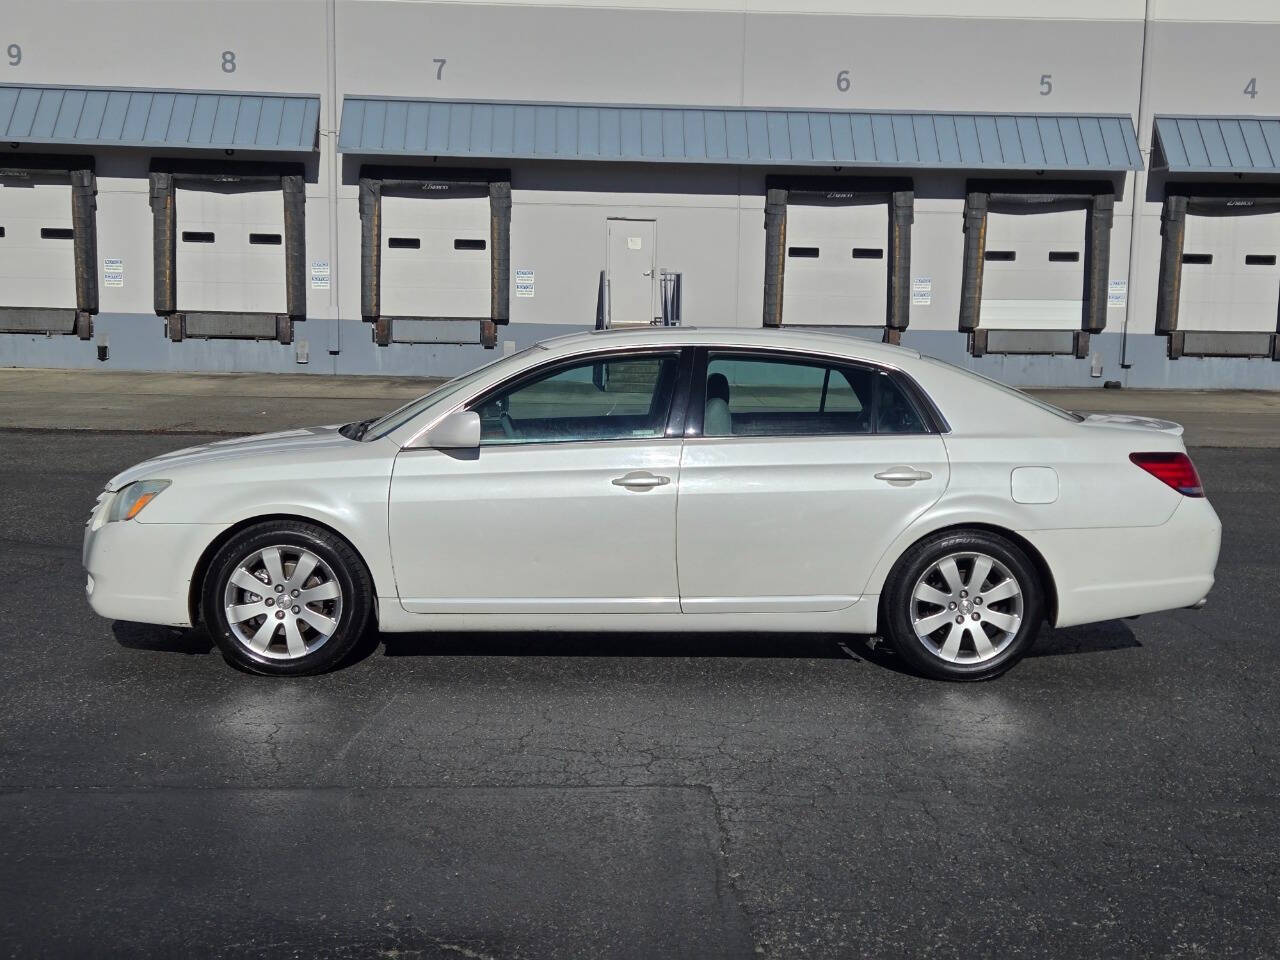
x=555, y=796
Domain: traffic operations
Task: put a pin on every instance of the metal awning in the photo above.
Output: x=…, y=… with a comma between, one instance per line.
x=1217, y=144
x=738, y=135
x=119, y=117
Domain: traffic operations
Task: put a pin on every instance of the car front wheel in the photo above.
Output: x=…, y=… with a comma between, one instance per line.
x=963, y=605
x=286, y=598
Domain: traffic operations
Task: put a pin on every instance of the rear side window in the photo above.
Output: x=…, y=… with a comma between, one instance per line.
x=784, y=397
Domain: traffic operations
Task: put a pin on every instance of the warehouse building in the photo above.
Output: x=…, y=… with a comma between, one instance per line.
x=1054, y=193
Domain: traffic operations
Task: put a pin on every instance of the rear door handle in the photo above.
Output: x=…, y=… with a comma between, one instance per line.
x=903, y=476
x=640, y=480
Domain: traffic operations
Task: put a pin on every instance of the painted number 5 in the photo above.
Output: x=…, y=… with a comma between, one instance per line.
x=15, y=54
x=1046, y=84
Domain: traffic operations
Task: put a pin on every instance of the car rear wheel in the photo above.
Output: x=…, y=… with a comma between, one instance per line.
x=963, y=605
x=286, y=598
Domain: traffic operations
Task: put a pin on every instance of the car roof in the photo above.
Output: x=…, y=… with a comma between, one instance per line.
x=844, y=344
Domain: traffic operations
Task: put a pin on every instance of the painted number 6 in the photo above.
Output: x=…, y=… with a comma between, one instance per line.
x=842, y=81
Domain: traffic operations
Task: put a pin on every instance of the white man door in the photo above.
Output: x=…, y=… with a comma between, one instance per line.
x=630, y=261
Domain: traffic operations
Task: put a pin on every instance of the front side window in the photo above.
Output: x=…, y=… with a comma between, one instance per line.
x=783, y=397
x=606, y=398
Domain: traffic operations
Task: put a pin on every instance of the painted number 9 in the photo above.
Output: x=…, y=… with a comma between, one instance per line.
x=842, y=81
x=228, y=61
x=15, y=54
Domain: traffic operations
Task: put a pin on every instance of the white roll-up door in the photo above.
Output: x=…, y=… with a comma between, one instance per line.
x=230, y=254
x=37, y=246
x=435, y=253
x=1033, y=275
x=1230, y=276
x=837, y=264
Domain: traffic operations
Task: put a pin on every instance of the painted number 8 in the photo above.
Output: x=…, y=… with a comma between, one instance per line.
x=228, y=61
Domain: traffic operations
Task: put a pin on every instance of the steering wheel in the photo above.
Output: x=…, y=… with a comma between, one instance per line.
x=508, y=428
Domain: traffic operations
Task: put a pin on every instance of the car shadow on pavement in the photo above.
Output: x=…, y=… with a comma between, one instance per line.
x=149, y=636
x=1090, y=638
x=621, y=644
x=1093, y=638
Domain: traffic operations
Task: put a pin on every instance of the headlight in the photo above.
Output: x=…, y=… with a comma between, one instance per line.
x=130, y=500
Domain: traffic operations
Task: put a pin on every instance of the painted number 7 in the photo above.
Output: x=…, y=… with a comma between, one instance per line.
x=439, y=67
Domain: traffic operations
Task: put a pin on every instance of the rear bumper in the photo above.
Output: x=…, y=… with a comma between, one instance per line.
x=142, y=571
x=1103, y=574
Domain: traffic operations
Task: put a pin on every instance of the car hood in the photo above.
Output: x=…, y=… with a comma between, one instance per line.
x=1132, y=421
x=237, y=448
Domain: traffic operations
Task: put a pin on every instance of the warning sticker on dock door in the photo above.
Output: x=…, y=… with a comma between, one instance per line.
x=1117, y=293
x=524, y=283
x=112, y=272
x=320, y=274
x=921, y=291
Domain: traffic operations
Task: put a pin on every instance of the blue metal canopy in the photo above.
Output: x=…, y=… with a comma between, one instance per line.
x=117, y=117
x=1218, y=144
x=737, y=135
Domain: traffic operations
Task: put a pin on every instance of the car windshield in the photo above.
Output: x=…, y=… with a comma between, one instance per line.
x=375, y=429
x=1013, y=391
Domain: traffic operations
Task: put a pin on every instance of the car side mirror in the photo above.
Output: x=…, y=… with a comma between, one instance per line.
x=460, y=430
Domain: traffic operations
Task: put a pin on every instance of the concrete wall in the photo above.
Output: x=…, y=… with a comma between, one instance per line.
x=1066, y=56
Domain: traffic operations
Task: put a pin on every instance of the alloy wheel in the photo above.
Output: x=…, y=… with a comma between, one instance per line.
x=966, y=608
x=282, y=602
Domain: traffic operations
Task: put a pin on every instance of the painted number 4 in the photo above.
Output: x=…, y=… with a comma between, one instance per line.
x=1251, y=88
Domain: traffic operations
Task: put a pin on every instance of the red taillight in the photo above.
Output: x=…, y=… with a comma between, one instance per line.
x=1174, y=469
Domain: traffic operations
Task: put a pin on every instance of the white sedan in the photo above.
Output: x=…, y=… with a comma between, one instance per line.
x=669, y=479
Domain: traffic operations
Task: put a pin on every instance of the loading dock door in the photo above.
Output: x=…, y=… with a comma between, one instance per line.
x=436, y=260
x=631, y=265
x=37, y=250
x=837, y=263
x=230, y=248
x=1230, y=276
x=1033, y=275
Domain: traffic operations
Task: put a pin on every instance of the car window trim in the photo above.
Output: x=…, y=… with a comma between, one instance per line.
x=926, y=410
x=551, y=367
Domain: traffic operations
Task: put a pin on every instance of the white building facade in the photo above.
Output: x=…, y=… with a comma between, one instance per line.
x=1053, y=193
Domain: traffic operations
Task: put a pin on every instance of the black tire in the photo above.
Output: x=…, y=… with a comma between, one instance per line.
x=352, y=606
x=928, y=655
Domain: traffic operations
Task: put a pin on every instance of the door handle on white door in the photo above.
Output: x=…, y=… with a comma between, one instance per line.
x=903, y=475
x=640, y=480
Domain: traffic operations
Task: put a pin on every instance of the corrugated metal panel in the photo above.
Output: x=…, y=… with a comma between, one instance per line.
x=158, y=118
x=455, y=128
x=1218, y=144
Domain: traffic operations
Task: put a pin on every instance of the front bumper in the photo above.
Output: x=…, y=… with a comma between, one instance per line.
x=141, y=572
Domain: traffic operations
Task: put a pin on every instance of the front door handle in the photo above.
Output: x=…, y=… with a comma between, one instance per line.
x=903, y=476
x=640, y=480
